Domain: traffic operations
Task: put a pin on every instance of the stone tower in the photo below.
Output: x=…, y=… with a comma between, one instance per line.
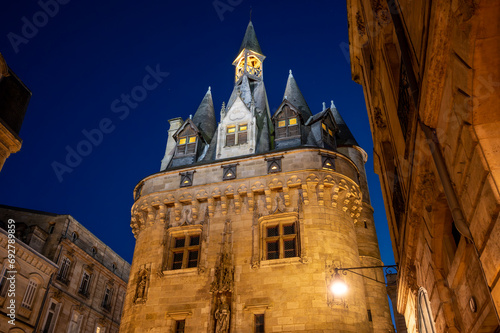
x=243, y=226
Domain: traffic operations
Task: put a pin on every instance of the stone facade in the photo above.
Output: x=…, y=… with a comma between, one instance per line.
x=66, y=279
x=236, y=235
x=14, y=99
x=430, y=72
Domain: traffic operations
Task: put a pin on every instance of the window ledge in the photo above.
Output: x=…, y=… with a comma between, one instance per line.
x=281, y=262
x=183, y=271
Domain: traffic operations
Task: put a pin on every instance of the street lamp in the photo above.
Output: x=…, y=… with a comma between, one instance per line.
x=338, y=287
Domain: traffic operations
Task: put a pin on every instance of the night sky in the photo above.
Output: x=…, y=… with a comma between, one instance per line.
x=84, y=58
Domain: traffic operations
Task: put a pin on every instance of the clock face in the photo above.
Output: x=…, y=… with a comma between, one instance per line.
x=254, y=67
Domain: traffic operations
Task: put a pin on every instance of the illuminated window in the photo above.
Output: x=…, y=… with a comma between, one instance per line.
x=186, y=178
x=236, y=135
x=185, y=251
x=254, y=66
x=327, y=134
x=186, y=145
x=288, y=125
x=274, y=164
x=280, y=240
x=328, y=162
x=229, y=172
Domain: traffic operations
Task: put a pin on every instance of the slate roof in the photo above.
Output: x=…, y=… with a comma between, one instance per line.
x=294, y=96
x=344, y=135
x=204, y=118
x=250, y=41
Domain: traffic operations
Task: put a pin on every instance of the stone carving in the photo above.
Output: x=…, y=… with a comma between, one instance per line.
x=187, y=216
x=279, y=203
x=381, y=13
x=361, y=24
x=379, y=120
x=141, y=288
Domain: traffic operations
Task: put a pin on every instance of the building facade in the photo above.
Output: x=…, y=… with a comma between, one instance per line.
x=14, y=99
x=243, y=227
x=65, y=278
x=430, y=72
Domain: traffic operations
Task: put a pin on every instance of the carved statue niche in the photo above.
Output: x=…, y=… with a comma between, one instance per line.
x=186, y=216
x=222, y=285
x=141, y=287
x=261, y=206
x=279, y=203
x=222, y=315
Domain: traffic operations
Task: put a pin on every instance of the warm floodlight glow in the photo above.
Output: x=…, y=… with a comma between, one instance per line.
x=338, y=286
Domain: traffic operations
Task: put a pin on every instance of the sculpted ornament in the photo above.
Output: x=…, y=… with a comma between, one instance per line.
x=141, y=288
x=222, y=315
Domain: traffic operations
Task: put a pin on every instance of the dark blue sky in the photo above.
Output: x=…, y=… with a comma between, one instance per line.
x=83, y=56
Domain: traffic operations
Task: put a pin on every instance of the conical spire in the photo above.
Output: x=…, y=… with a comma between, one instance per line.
x=344, y=135
x=204, y=118
x=250, y=41
x=294, y=96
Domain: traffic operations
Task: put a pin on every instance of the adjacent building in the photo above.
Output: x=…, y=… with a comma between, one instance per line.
x=430, y=72
x=14, y=99
x=66, y=279
x=245, y=224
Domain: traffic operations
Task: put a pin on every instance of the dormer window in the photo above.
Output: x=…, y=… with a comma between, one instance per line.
x=236, y=135
x=186, y=145
x=287, y=124
x=327, y=133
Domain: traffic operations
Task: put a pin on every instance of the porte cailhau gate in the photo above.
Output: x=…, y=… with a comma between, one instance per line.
x=241, y=228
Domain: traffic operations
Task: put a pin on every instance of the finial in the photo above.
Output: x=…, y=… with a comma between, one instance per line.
x=290, y=71
x=324, y=105
x=209, y=89
x=190, y=116
x=223, y=111
x=332, y=106
x=286, y=97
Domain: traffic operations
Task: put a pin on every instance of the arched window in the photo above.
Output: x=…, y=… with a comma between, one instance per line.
x=287, y=123
x=425, y=322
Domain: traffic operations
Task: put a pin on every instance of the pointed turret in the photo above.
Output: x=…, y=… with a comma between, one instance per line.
x=294, y=96
x=344, y=135
x=250, y=41
x=204, y=118
x=250, y=58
